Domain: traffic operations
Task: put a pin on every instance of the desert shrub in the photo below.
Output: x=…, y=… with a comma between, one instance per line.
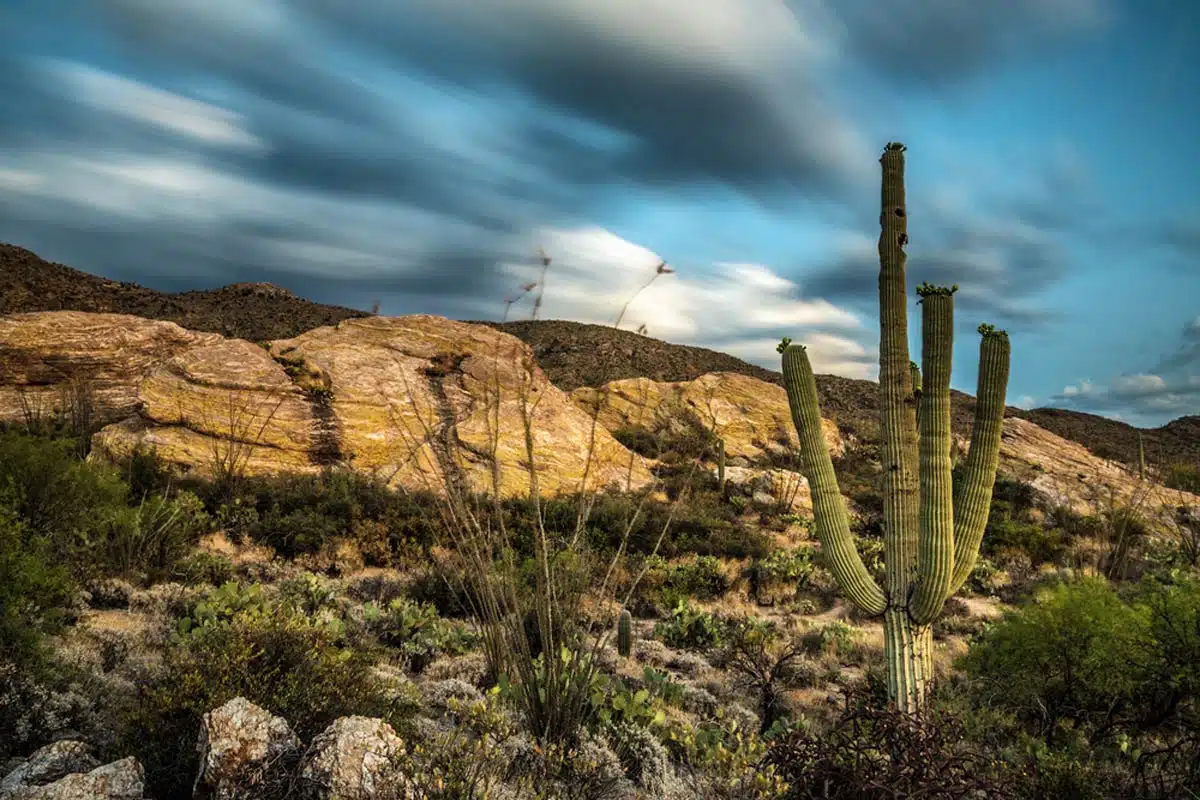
x=35, y=592
x=639, y=439
x=871, y=752
x=791, y=565
x=1059, y=658
x=765, y=662
x=699, y=577
x=1098, y=676
x=416, y=630
x=1011, y=526
x=300, y=514
x=203, y=567
x=145, y=473
x=58, y=497
x=691, y=628
x=832, y=638
x=152, y=537
x=1183, y=475
x=239, y=642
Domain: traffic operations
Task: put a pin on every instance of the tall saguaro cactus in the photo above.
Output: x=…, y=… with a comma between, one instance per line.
x=931, y=538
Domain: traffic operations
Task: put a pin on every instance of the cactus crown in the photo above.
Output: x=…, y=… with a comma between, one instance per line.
x=784, y=344
x=986, y=330
x=894, y=146
x=927, y=289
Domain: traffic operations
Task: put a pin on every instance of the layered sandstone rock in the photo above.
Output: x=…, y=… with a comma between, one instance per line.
x=752, y=416
x=420, y=400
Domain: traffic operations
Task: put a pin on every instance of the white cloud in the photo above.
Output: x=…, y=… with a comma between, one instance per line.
x=1138, y=385
x=137, y=101
x=1026, y=402
x=1078, y=389
x=727, y=307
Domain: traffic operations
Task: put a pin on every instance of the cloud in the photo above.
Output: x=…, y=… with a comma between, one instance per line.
x=596, y=276
x=146, y=104
x=943, y=43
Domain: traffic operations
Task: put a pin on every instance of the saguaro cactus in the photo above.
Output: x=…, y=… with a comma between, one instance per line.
x=625, y=634
x=931, y=539
x=721, y=465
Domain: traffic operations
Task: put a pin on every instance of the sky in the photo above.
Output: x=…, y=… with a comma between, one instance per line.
x=417, y=153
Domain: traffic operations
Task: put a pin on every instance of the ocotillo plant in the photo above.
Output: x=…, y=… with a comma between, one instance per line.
x=931, y=540
x=625, y=634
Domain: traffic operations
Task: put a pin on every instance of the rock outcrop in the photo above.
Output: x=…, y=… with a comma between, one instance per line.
x=751, y=415
x=420, y=400
x=239, y=743
x=356, y=759
x=120, y=780
x=754, y=419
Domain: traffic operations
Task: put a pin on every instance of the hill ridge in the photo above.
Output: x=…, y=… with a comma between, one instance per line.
x=572, y=354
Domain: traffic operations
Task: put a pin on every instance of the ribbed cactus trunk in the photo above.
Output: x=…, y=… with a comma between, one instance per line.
x=721, y=465
x=625, y=634
x=931, y=538
x=1141, y=457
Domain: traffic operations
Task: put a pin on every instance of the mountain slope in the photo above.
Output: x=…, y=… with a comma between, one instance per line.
x=253, y=311
x=572, y=354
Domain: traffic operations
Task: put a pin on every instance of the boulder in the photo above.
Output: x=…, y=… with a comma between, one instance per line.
x=356, y=758
x=239, y=743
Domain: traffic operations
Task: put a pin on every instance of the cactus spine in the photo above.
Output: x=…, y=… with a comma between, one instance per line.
x=931, y=539
x=625, y=634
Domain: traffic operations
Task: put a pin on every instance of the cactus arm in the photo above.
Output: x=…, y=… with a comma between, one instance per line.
x=898, y=428
x=935, y=556
x=829, y=509
x=974, y=499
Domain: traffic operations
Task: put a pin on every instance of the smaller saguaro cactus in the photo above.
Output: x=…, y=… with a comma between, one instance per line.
x=721, y=465
x=1141, y=457
x=625, y=634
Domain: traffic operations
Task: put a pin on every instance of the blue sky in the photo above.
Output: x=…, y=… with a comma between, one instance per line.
x=418, y=153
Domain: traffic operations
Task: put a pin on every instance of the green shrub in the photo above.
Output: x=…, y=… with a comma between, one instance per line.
x=789, y=565
x=203, y=567
x=66, y=501
x=691, y=628
x=1101, y=677
x=698, y=577
x=152, y=537
x=238, y=642
x=35, y=592
x=1183, y=475
x=416, y=630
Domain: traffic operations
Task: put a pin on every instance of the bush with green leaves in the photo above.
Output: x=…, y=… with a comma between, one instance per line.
x=417, y=631
x=35, y=592
x=698, y=577
x=240, y=641
x=688, y=627
x=1107, y=675
x=1183, y=475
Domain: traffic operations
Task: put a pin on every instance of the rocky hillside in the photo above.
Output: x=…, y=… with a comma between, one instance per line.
x=571, y=354
x=404, y=397
x=253, y=311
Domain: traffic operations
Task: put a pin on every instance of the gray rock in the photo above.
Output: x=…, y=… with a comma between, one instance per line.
x=238, y=743
x=50, y=763
x=356, y=758
x=120, y=780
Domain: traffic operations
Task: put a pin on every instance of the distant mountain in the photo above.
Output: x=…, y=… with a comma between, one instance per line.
x=253, y=311
x=572, y=354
